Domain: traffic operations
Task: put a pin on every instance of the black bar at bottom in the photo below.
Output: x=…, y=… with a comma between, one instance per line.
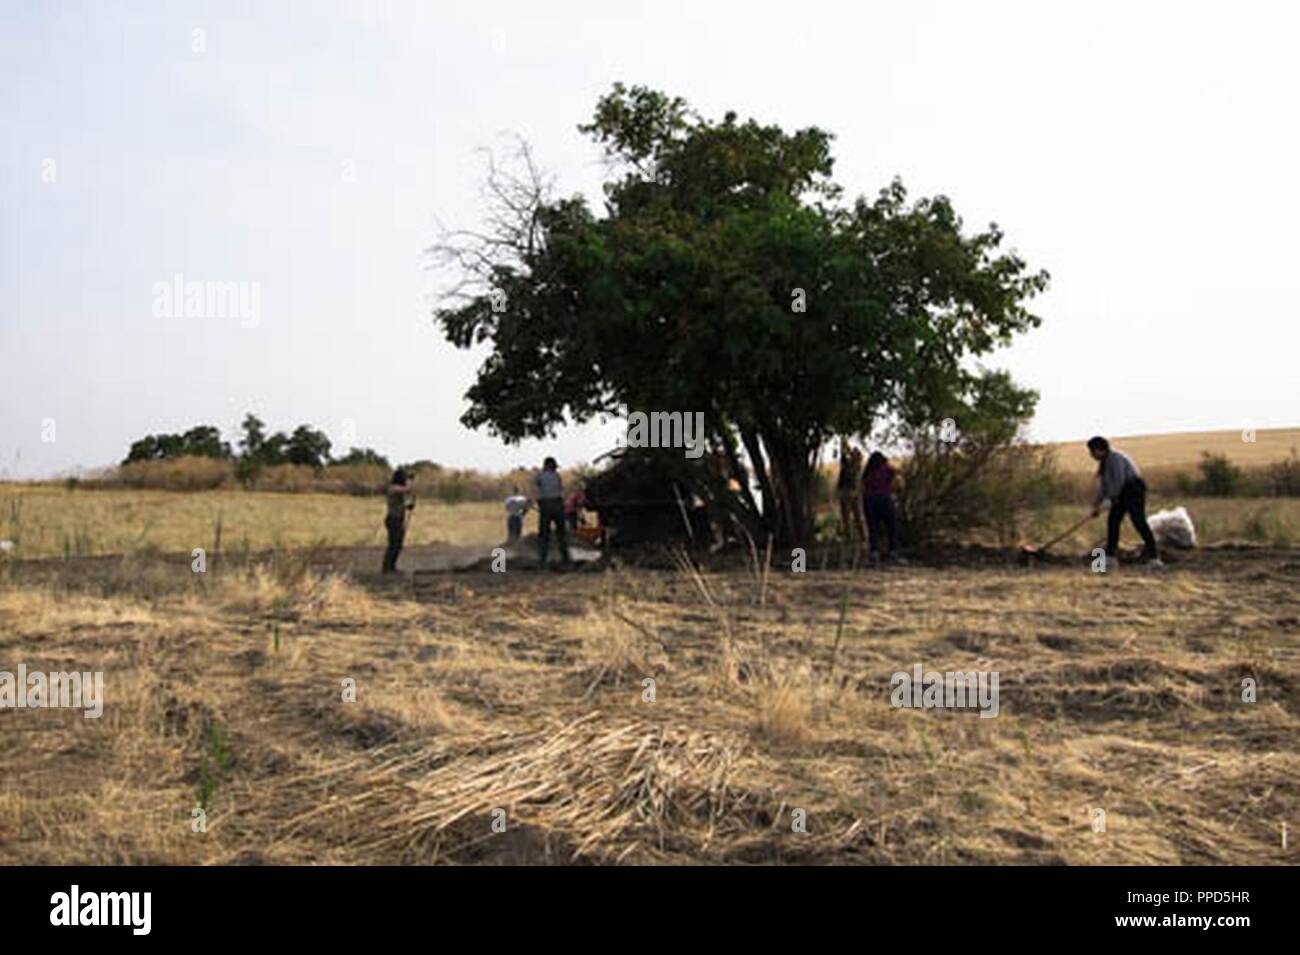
x=334, y=905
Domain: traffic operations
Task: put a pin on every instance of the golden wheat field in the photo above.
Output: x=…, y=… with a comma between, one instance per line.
x=679, y=713
x=1247, y=448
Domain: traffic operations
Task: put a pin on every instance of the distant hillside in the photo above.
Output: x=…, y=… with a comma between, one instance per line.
x=1183, y=450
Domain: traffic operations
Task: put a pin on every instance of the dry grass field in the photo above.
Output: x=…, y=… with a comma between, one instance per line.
x=521, y=698
x=1182, y=451
x=49, y=520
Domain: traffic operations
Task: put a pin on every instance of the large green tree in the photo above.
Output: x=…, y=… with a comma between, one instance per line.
x=726, y=274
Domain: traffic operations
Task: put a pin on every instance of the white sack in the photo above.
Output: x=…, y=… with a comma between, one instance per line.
x=1173, y=528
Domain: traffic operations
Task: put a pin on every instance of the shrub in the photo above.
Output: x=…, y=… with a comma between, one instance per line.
x=188, y=473
x=969, y=467
x=1283, y=478
x=431, y=482
x=358, y=479
x=947, y=495
x=286, y=477
x=1219, y=476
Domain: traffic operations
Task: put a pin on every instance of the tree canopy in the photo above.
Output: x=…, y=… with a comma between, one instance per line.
x=727, y=274
x=201, y=441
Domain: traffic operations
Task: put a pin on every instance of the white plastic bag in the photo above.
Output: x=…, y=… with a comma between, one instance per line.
x=1173, y=528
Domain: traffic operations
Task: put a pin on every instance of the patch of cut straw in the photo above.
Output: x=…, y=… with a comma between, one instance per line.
x=604, y=791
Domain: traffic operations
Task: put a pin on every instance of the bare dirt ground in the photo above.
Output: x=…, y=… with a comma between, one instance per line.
x=520, y=701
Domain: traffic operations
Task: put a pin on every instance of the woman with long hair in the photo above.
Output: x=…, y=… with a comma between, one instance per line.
x=878, y=500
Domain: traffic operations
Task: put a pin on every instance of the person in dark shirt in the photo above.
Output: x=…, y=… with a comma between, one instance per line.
x=399, y=503
x=878, y=499
x=1120, y=484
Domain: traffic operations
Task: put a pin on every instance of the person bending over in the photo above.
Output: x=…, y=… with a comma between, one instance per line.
x=1120, y=483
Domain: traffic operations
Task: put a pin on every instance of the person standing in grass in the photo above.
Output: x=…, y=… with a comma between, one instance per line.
x=1120, y=484
x=550, y=510
x=846, y=489
x=878, y=500
x=400, y=503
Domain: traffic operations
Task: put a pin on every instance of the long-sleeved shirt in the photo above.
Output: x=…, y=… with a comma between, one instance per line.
x=548, y=485
x=1116, y=471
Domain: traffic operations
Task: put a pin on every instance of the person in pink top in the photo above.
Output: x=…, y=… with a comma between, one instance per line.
x=878, y=501
x=573, y=508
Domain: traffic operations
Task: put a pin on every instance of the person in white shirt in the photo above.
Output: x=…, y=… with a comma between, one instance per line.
x=516, y=507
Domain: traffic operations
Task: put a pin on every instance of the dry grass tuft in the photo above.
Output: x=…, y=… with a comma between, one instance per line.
x=783, y=711
x=615, y=647
x=590, y=789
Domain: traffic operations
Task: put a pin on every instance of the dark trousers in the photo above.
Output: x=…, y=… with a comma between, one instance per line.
x=880, y=511
x=396, y=525
x=1132, y=501
x=551, y=511
x=514, y=526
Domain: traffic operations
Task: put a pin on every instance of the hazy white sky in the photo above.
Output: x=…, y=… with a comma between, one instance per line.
x=1143, y=153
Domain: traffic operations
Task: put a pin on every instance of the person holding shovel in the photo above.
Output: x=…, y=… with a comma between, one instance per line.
x=400, y=504
x=1120, y=484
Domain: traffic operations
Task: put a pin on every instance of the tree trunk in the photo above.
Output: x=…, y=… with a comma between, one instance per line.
x=786, y=476
x=759, y=462
x=793, y=478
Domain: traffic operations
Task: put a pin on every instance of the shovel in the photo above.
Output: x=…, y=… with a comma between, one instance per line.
x=1031, y=552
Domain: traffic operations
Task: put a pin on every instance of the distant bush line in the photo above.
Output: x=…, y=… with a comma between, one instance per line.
x=297, y=462
x=432, y=481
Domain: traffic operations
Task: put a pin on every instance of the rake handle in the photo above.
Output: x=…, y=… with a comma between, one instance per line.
x=1068, y=531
